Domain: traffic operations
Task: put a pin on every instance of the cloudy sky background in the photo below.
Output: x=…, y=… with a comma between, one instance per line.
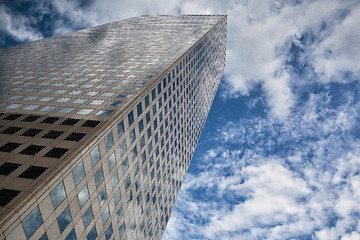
x=279, y=157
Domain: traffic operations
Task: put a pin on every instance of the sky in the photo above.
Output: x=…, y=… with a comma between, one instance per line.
x=279, y=156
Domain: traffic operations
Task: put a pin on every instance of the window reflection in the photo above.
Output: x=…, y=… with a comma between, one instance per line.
x=58, y=194
x=83, y=196
x=95, y=155
x=112, y=161
x=105, y=215
x=64, y=219
x=99, y=176
x=32, y=222
x=78, y=173
x=87, y=217
x=102, y=196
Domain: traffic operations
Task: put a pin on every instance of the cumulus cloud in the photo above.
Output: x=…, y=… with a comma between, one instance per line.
x=267, y=179
x=339, y=53
x=18, y=26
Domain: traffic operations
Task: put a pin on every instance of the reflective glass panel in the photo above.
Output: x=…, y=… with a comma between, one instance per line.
x=108, y=232
x=58, y=194
x=102, y=196
x=117, y=197
x=120, y=214
x=114, y=179
x=78, y=173
x=99, y=176
x=105, y=215
x=32, y=222
x=109, y=140
x=95, y=155
x=112, y=161
x=83, y=196
x=64, y=219
x=71, y=236
x=87, y=217
x=92, y=235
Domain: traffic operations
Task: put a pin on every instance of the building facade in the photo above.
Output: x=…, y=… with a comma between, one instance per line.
x=98, y=126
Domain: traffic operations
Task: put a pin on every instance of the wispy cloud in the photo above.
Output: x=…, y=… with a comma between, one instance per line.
x=273, y=179
x=17, y=25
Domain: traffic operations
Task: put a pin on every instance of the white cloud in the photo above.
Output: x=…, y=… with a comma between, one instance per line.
x=18, y=26
x=340, y=52
x=308, y=187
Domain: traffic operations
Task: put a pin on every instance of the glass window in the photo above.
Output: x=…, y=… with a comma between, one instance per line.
x=123, y=147
x=149, y=132
x=132, y=136
x=108, y=232
x=154, y=110
x=92, y=235
x=122, y=229
x=105, y=215
x=46, y=99
x=127, y=182
x=159, y=88
x=117, y=197
x=155, y=124
x=95, y=155
x=146, y=101
x=112, y=161
x=79, y=101
x=121, y=128
x=78, y=173
x=102, y=196
x=136, y=168
x=71, y=236
x=88, y=216
x=32, y=222
x=142, y=142
x=141, y=125
x=47, y=108
x=156, y=138
x=58, y=194
x=125, y=165
x=139, y=109
x=63, y=100
x=131, y=118
x=134, y=153
x=104, y=112
x=150, y=147
x=91, y=93
x=66, y=110
x=84, y=111
x=83, y=196
x=109, y=141
x=107, y=94
x=114, y=179
x=64, y=219
x=147, y=117
x=120, y=214
x=43, y=237
x=97, y=102
x=75, y=92
x=160, y=102
x=99, y=176
x=129, y=197
x=115, y=103
x=31, y=107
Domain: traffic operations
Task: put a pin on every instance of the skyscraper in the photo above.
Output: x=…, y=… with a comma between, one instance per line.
x=98, y=126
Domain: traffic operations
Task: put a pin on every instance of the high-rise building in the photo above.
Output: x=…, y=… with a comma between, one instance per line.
x=98, y=126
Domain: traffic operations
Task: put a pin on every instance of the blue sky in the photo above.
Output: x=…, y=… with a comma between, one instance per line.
x=279, y=156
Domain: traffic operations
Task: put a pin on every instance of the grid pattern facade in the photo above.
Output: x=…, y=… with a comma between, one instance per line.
x=125, y=106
